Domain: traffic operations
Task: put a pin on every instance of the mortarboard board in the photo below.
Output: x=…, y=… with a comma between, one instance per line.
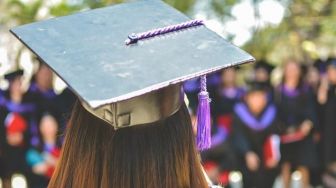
x=262, y=64
x=257, y=86
x=136, y=82
x=12, y=75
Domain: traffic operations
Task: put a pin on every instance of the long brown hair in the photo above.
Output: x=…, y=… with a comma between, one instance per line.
x=157, y=155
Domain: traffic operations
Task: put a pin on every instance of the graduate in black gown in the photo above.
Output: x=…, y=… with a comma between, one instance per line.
x=220, y=158
x=42, y=158
x=327, y=97
x=41, y=88
x=16, y=118
x=255, y=129
x=315, y=75
x=44, y=96
x=297, y=115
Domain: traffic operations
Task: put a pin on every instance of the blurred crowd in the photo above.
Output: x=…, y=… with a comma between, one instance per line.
x=261, y=129
x=31, y=122
x=266, y=130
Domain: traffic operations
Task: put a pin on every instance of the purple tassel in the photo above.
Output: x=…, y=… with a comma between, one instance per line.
x=203, y=118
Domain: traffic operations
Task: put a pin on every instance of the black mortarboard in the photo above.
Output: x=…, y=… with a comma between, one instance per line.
x=331, y=62
x=12, y=75
x=257, y=86
x=136, y=82
x=262, y=64
x=320, y=65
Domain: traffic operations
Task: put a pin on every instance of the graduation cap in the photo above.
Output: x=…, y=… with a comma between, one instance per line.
x=257, y=86
x=262, y=64
x=12, y=75
x=320, y=65
x=331, y=62
x=127, y=62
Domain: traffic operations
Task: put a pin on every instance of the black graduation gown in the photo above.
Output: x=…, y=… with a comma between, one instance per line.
x=295, y=107
x=329, y=135
x=44, y=100
x=249, y=138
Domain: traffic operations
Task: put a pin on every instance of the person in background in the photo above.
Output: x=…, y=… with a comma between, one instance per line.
x=42, y=158
x=16, y=114
x=262, y=73
x=220, y=159
x=296, y=112
x=43, y=96
x=315, y=73
x=255, y=131
x=42, y=84
x=41, y=87
x=225, y=97
x=327, y=97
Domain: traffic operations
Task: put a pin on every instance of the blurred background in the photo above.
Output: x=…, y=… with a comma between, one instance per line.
x=273, y=122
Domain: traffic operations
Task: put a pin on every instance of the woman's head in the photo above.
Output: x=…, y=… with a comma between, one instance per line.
x=160, y=154
x=292, y=71
x=44, y=77
x=256, y=100
x=48, y=127
x=15, y=85
x=228, y=77
x=313, y=76
x=14, y=79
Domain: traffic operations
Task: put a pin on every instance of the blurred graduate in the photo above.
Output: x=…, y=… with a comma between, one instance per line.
x=295, y=102
x=43, y=157
x=327, y=97
x=255, y=131
x=17, y=114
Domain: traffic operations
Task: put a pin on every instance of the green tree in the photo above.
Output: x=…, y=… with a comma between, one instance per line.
x=306, y=33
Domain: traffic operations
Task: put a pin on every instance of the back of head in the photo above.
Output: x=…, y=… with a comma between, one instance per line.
x=160, y=154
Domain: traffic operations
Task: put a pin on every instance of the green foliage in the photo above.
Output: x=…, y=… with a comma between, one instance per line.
x=100, y=3
x=63, y=9
x=182, y=5
x=306, y=33
x=23, y=13
x=222, y=8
